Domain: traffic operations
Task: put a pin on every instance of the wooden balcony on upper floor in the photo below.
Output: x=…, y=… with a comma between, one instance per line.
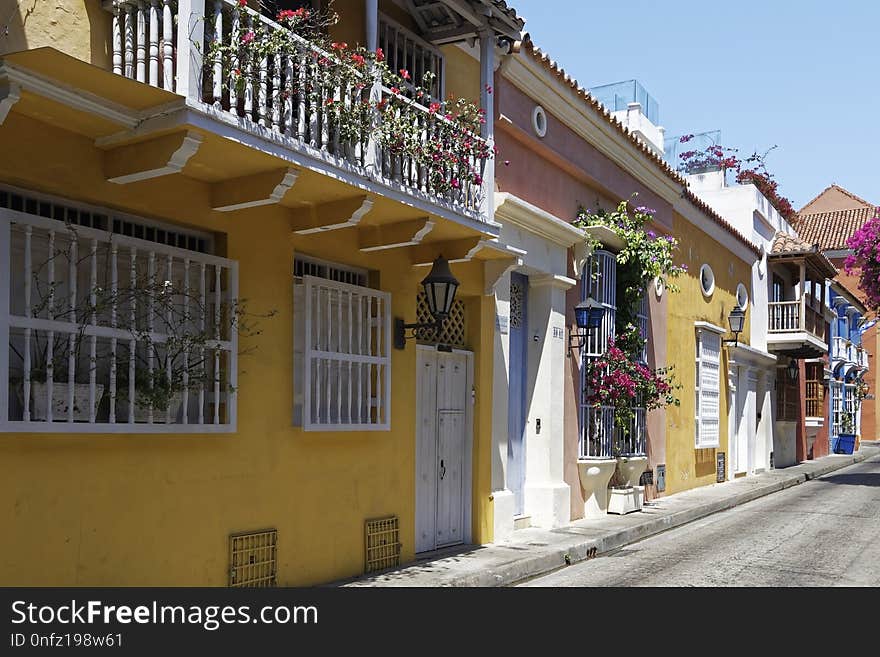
x=796, y=329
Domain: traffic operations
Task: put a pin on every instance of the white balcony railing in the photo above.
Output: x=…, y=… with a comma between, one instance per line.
x=164, y=42
x=838, y=348
x=785, y=316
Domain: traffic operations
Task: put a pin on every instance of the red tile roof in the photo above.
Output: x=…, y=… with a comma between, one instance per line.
x=787, y=245
x=831, y=230
x=541, y=57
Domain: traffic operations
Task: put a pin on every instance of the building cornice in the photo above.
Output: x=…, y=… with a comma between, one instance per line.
x=514, y=210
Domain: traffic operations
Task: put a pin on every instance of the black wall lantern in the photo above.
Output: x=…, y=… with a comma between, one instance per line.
x=440, y=287
x=588, y=317
x=792, y=370
x=737, y=320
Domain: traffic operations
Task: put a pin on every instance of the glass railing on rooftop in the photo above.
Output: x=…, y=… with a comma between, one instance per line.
x=618, y=95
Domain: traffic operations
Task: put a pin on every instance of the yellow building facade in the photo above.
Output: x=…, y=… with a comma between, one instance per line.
x=88, y=506
x=718, y=263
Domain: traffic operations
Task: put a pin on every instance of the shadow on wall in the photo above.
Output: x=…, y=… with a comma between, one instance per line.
x=33, y=24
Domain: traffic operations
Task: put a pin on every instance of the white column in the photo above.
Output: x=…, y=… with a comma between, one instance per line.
x=547, y=496
x=487, y=82
x=190, y=44
x=372, y=19
x=503, y=498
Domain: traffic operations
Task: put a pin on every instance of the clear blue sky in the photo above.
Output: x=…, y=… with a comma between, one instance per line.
x=802, y=74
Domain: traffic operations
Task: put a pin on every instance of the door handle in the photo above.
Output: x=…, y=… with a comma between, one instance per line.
x=442, y=470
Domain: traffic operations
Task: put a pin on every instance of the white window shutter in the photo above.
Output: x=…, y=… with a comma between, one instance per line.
x=710, y=375
x=344, y=378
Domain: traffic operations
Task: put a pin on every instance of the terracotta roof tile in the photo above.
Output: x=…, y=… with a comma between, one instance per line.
x=831, y=230
x=538, y=55
x=785, y=244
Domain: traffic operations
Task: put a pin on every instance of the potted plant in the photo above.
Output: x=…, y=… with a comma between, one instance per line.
x=846, y=439
x=58, y=365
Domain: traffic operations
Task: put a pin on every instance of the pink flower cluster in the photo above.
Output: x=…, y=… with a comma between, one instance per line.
x=865, y=260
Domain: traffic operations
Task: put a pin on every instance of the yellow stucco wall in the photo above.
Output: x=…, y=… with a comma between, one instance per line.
x=77, y=27
x=687, y=467
x=158, y=510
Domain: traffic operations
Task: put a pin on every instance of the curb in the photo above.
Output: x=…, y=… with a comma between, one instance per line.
x=543, y=564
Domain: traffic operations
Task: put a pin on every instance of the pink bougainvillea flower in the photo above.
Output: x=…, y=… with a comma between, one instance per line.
x=434, y=108
x=242, y=3
x=404, y=74
x=339, y=45
x=395, y=90
x=380, y=55
x=248, y=37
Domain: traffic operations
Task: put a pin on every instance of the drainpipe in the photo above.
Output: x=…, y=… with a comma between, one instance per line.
x=487, y=82
x=372, y=20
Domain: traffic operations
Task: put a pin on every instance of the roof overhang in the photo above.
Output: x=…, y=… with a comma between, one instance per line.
x=452, y=21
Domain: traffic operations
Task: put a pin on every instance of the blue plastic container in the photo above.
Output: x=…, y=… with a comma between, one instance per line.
x=845, y=444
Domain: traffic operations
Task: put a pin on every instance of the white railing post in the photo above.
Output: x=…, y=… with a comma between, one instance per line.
x=118, y=20
x=373, y=156
x=5, y=278
x=487, y=82
x=190, y=47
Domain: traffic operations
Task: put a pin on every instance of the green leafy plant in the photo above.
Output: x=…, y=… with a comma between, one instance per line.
x=847, y=423
x=645, y=256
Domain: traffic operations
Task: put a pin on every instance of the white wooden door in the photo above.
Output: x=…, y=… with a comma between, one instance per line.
x=443, y=440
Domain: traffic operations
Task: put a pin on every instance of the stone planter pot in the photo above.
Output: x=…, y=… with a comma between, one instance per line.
x=594, y=475
x=142, y=415
x=631, y=468
x=60, y=400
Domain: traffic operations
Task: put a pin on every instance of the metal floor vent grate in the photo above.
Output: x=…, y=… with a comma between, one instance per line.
x=382, y=544
x=252, y=559
x=454, y=327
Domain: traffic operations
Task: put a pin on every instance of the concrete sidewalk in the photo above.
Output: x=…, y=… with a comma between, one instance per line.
x=533, y=551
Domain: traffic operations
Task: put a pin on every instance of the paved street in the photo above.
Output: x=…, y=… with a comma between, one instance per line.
x=825, y=532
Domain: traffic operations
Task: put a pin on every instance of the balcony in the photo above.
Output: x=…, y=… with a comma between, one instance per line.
x=862, y=358
x=284, y=100
x=796, y=329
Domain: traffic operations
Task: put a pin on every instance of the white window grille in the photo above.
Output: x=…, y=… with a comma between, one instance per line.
x=405, y=50
x=643, y=326
x=836, y=406
x=342, y=354
x=111, y=333
x=707, y=391
x=599, y=281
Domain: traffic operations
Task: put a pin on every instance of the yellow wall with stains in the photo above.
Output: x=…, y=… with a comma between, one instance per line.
x=686, y=466
x=158, y=510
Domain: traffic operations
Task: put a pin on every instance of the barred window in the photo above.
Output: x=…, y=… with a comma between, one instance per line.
x=112, y=332
x=342, y=356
